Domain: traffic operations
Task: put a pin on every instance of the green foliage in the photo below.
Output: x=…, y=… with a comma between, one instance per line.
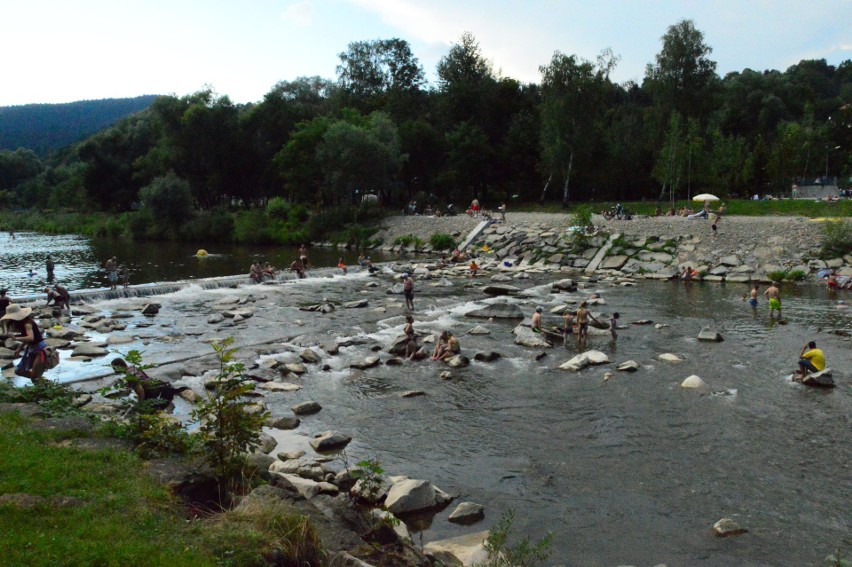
x=836, y=239
x=169, y=200
x=228, y=427
x=53, y=398
x=409, y=240
x=440, y=241
x=524, y=553
x=777, y=275
x=278, y=209
x=582, y=217
x=796, y=275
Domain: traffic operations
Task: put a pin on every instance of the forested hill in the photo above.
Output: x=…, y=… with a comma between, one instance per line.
x=46, y=127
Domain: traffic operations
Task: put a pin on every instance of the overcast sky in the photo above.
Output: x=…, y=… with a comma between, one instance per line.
x=62, y=51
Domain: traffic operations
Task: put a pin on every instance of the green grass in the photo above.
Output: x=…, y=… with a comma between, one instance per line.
x=124, y=516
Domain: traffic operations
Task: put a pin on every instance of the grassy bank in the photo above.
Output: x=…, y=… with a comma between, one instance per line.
x=101, y=508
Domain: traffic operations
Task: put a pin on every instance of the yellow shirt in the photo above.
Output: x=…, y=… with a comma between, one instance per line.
x=816, y=357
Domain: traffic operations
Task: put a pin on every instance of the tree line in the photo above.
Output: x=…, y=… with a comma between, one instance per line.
x=380, y=129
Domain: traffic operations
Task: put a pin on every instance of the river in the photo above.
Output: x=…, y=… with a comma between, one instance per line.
x=633, y=470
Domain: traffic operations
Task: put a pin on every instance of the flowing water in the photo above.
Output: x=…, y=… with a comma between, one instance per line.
x=633, y=470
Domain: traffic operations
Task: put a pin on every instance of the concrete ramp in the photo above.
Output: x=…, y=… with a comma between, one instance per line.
x=596, y=261
x=473, y=234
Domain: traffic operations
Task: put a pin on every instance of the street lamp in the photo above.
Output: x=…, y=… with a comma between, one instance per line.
x=827, y=151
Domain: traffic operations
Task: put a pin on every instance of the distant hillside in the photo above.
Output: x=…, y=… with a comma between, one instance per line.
x=46, y=127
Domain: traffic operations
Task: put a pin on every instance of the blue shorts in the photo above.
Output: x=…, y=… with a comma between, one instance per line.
x=752, y=302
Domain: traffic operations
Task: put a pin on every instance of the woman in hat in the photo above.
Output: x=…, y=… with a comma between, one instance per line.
x=30, y=338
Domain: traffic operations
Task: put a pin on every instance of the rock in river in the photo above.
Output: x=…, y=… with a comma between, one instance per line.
x=329, y=441
x=467, y=513
x=458, y=361
x=629, y=366
x=693, y=381
x=727, y=527
x=412, y=495
x=369, y=362
x=306, y=408
x=500, y=289
x=497, y=311
x=88, y=349
x=709, y=335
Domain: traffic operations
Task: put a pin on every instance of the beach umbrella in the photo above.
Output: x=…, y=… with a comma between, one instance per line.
x=705, y=197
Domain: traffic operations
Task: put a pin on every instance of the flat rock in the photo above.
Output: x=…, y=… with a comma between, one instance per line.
x=497, y=311
x=669, y=357
x=709, y=335
x=500, y=289
x=89, y=349
x=479, y=330
x=279, y=387
x=413, y=393
x=467, y=550
x=119, y=339
x=296, y=368
x=564, y=285
x=309, y=356
x=216, y=318
x=629, y=366
x=285, y=423
x=357, y=304
x=458, y=361
x=242, y=313
x=582, y=360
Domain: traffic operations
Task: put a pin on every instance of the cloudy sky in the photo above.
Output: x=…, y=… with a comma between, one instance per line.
x=62, y=51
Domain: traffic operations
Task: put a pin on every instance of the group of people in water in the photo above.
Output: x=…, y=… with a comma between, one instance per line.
x=578, y=319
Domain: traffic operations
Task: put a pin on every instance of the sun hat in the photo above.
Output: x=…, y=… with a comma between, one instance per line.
x=15, y=312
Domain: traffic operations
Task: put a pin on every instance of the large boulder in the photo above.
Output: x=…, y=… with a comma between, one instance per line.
x=309, y=356
x=613, y=262
x=582, y=360
x=369, y=362
x=89, y=349
x=629, y=366
x=693, y=381
x=487, y=356
x=306, y=408
x=525, y=336
x=500, y=289
x=399, y=346
x=497, y=311
x=412, y=495
x=468, y=549
x=458, y=361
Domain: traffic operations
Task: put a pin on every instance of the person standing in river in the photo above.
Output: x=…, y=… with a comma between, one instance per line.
x=303, y=256
x=774, y=295
x=111, y=267
x=408, y=291
x=49, y=265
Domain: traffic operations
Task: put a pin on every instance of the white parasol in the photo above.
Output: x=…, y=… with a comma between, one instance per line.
x=705, y=197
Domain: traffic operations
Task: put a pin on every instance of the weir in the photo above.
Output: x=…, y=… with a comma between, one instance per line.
x=153, y=289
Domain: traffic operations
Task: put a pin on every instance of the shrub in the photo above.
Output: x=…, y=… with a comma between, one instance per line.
x=278, y=209
x=228, y=429
x=796, y=275
x=582, y=217
x=777, y=275
x=169, y=198
x=836, y=239
x=53, y=398
x=442, y=241
x=408, y=241
x=526, y=552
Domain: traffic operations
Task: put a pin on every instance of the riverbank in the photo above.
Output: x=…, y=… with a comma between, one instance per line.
x=743, y=249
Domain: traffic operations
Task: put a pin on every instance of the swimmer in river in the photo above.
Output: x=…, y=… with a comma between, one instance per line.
x=774, y=295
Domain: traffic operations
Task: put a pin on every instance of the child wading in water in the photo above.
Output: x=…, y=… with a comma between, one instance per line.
x=567, y=326
x=613, y=325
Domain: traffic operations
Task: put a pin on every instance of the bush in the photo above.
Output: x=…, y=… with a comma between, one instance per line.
x=440, y=241
x=53, y=398
x=583, y=217
x=796, y=275
x=836, y=239
x=278, y=209
x=409, y=240
x=228, y=429
x=525, y=553
x=216, y=226
x=777, y=275
x=169, y=199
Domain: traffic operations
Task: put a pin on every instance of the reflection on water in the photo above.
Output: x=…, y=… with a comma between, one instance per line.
x=79, y=260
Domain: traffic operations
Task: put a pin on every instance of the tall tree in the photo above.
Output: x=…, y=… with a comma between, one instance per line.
x=572, y=90
x=371, y=72
x=683, y=77
x=463, y=75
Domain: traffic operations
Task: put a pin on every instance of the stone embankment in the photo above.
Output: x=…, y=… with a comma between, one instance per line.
x=744, y=249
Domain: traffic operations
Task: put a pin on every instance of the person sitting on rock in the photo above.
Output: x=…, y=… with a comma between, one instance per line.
x=441, y=346
x=811, y=360
x=157, y=393
x=536, y=320
x=298, y=267
x=474, y=267
x=453, y=347
x=410, y=337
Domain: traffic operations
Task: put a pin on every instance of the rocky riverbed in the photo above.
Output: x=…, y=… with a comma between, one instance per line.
x=603, y=443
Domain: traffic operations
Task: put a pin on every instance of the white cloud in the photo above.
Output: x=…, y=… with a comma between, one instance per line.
x=435, y=24
x=299, y=13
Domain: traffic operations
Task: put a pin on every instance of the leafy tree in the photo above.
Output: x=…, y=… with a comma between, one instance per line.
x=370, y=70
x=468, y=156
x=360, y=158
x=572, y=92
x=683, y=77
x=169, y=200
x=463, y=75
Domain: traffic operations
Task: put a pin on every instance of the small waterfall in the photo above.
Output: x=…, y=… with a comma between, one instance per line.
x=155, y=288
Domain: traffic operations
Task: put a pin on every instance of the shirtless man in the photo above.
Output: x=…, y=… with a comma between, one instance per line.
x=297, y=267
x=536, y=320
x=774, y=295
x=567, y=326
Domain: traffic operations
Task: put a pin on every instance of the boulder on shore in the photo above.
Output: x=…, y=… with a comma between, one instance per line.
x=412, y=495
x=329, y=441
x=467, y=513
